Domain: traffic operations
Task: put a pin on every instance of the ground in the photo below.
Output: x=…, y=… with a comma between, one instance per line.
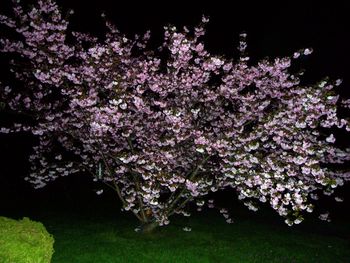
x=94, y=230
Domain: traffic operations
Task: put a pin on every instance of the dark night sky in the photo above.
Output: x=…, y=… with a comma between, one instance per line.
x=273, y=30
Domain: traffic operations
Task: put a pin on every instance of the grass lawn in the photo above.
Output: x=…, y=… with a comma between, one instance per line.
x=91, y=229
x=96, y=239
x=97, y=232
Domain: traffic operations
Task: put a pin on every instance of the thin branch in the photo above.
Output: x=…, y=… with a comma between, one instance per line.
x=195, y=172
x=137, y=185
x=117, y=189
x=181, y=205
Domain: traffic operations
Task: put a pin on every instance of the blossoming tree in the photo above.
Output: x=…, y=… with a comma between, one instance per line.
x=164, y=128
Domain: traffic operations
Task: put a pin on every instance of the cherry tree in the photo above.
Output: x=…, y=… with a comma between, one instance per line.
x=166, y=127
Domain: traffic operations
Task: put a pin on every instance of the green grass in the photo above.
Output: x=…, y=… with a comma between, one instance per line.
x=111, y=238
x=96, y=233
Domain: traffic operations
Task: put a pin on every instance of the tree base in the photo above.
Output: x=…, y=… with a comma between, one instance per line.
x=149, y=227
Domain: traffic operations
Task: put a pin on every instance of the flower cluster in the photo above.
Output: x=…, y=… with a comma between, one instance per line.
x=165, y=128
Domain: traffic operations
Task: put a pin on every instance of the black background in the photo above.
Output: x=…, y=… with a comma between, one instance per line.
x=274, y=29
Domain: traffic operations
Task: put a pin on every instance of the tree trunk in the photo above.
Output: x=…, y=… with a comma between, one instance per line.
x=149, y=227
